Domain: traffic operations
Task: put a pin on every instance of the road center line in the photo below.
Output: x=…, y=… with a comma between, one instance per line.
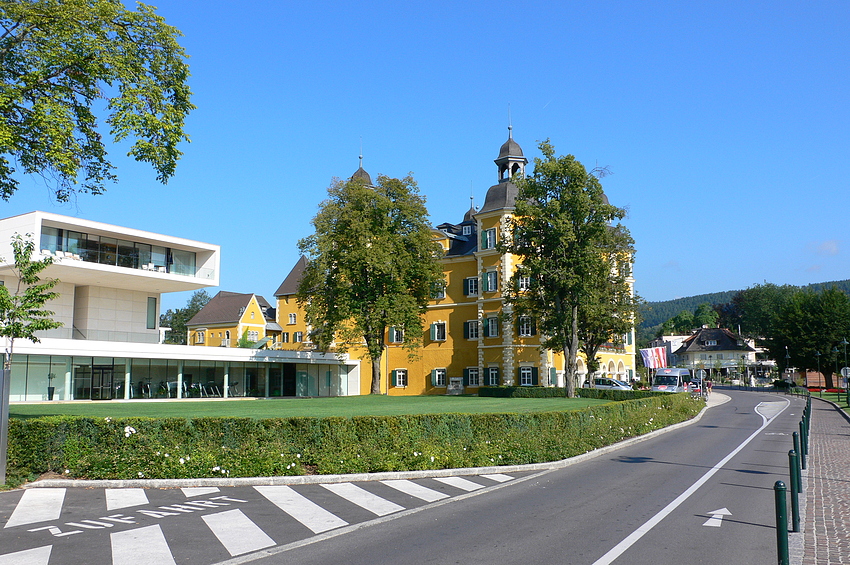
x=632, y=538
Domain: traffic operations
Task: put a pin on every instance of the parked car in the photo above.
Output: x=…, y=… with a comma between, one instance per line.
x=607, y=384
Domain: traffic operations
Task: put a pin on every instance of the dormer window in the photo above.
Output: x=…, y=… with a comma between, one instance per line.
x=467, y=230
x=710, y=342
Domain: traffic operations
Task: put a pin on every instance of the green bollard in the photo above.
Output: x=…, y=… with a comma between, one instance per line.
x=804, y=440
x=781, y=523
x=796, y=437
x=795, y=491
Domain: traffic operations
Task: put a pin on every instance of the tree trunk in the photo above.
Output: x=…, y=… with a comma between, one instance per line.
x=376, y=375
x=570, y=353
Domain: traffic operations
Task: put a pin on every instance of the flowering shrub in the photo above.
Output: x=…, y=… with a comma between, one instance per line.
x=130, y=448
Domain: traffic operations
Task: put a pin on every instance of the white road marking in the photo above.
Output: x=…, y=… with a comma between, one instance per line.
x=716, y=519
x=302, y=509
x=416, y=490
x=237, y=533
x=459, y=482
x=125, y=497
x=364, y=499
x=37, y=505
x=198, y=491
x=498, y=477
x=632, y=538
x=141, y=546
x=35, y=556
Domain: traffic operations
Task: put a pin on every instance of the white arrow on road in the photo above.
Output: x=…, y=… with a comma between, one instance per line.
x=716, y=519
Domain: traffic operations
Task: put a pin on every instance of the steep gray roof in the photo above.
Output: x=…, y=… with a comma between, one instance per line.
x=293, y=279
x=725, y=340
x=510, y=148
x=500, y=196
x=362, y=175
x=228, y=307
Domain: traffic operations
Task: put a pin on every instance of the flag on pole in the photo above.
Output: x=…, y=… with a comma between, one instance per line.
x=654, y=357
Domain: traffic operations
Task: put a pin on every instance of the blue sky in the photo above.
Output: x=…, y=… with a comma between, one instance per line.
x=726, y=125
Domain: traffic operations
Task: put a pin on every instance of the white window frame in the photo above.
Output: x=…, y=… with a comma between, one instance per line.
x=440, y=377
x=284, y=337
x=491, y=281
x=524, y=282
x=473, y=329
x=488, y=239
x=492, y=327
x=297, y=337
x=525, y=326
x=467, y=230
x=440, y=331
x=401, y=378
x=396, y=335
x=199, y=337
x=526, y=376
x=493, y=376
x=472, y=285
x=293, y=318
x=474, y=376
x=254, y=335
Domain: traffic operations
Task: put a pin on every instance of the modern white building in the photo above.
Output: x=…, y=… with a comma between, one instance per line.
x=111, y=282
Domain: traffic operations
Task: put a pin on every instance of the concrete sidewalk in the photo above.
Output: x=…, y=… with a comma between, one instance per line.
x=826, y=523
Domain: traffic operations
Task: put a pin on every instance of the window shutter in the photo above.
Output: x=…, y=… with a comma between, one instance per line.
x=485, y=282
x=519, y=375
x=486, y=327
x=395, y=377
x=433, y=332
x=553, y=376
x=466, y=330
x=533, y=326
x=391, y=334
x=433, y=377
x=466, y=287
x=535, y=379
x=466, y=377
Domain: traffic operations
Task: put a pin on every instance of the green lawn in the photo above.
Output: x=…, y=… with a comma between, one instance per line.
x=313, y=407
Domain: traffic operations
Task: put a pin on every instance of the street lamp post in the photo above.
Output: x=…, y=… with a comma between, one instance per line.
x=746, y=373
x=787, y=362
x=817, y=355
x=847, y=388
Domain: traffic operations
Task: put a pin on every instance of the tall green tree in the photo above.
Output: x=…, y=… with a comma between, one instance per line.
x=705, y=315
x=811, y=322
x=22, y=314
x=22, y=311
x=64, y=62
x=178, y=318
x=564, y=237
x=372, y=265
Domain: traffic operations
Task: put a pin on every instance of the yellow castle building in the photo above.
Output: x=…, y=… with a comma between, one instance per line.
x=470, y=339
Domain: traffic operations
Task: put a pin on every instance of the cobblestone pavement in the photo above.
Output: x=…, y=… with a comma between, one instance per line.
x=826, y=528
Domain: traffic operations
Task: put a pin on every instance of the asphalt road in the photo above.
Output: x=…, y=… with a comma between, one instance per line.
x=641, y=504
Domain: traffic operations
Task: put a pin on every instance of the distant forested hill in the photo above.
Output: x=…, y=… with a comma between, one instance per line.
x=655, y=313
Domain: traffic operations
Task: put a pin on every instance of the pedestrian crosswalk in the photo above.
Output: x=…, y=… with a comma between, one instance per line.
x=138, y=526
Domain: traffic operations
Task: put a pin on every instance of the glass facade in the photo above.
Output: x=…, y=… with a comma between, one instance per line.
x=119, y=252
x=105, y=378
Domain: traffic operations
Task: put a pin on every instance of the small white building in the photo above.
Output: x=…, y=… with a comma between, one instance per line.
x=111, y=282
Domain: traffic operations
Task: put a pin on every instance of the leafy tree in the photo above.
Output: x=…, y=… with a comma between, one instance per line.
x=64, y=61
x=612, y=311
x=566, y=244
x=372, y=265
x=177, y=319
x=244, y=342
x=705, y=315
x=22, y=314
x=811, y=322
x=758, y=306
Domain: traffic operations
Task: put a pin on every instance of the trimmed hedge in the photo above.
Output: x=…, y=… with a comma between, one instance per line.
x=555, y=392
x=130, y=448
